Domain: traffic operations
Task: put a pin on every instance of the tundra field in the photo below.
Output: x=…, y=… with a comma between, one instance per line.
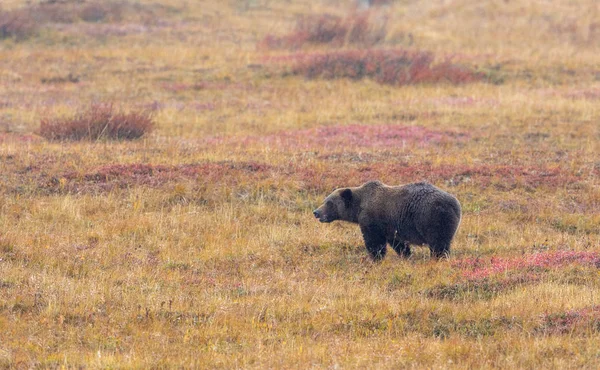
x=194, y=245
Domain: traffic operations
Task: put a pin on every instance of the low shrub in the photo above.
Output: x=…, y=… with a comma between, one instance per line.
x=355, y=29
x=24, y=22
x=101, y=121
x=392, y=67
x=74, y=11
x=380, y=2
x=17, y=25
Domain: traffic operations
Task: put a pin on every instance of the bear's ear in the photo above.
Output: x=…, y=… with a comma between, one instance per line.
x=346, y=195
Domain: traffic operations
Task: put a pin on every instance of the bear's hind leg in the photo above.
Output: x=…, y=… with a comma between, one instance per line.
x=440, y=250
x=441, y=232
x=402, y=248
x=375, y=242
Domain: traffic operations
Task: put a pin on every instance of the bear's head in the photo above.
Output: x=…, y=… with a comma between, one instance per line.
x=337, y=206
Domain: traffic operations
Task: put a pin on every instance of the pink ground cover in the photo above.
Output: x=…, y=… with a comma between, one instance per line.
x=328, y=138
x=20, y=138
x=478, y=268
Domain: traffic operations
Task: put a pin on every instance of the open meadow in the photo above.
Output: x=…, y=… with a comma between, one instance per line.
x=179, y=232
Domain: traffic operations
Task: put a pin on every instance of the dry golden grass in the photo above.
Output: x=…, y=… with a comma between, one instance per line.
x=195, y=246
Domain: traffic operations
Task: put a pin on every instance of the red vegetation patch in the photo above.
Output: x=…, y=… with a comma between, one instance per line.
x=485, y=278
x=588, y=94
x=502, y=177
x=100, y=121
x=352, y=136
x=355, y=29
x=21, y=138
x=567, y=322
x=462, y=101
x=320, y=176
x=392, y=67
x=479, y=268
x=132, y=171
x=114, y=176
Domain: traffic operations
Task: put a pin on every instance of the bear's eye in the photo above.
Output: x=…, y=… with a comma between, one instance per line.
x=329, y=203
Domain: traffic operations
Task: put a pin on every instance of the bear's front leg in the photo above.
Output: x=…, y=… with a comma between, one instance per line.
x=375, y=241
x=401, y=247
x=440, y=250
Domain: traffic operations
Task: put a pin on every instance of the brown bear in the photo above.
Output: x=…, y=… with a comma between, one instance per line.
x=415, y=214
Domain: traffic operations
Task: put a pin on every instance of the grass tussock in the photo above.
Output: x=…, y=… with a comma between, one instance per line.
x=391, y=67
x=357, y=29
x=17, y=25
x=100, y=121
x=76, y=11
x=22, y=23
x=584, y=320
x=64, y=12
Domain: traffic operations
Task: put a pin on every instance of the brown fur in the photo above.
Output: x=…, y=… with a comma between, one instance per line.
x=415, y=214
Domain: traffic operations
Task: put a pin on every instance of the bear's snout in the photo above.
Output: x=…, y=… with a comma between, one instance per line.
x=321, y=215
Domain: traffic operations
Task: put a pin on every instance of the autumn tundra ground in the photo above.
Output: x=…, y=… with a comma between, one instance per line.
x=159, y=162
